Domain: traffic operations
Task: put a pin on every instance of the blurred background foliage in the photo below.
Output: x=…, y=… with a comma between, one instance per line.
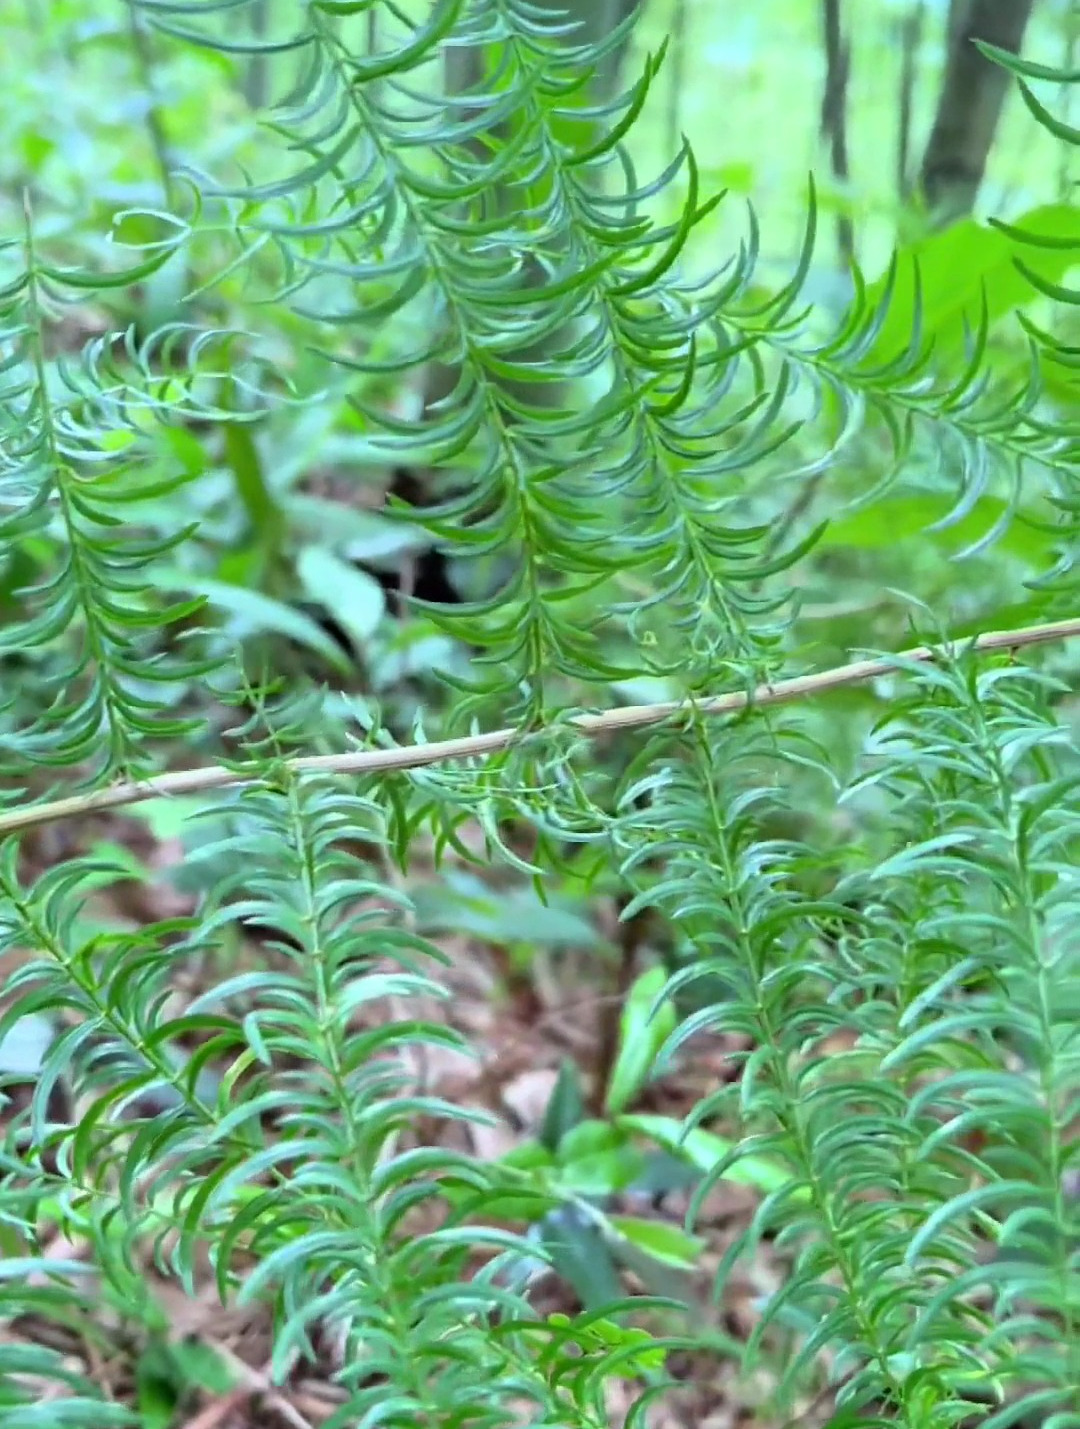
x=105, y=119
x=99, y=112
x=294, y=546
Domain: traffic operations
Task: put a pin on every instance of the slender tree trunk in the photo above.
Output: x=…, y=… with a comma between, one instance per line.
x=676, y=71
x=972, y=95
x=954, y=24
x=911, y=33
x=834, y=113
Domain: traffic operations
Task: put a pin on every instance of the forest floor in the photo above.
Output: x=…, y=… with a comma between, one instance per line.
x=190, y=1362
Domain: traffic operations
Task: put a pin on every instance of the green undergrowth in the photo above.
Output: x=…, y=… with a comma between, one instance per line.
x=351, y=260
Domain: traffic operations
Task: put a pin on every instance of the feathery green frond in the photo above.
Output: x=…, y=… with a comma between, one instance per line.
x=870, y=904
x=71, y=451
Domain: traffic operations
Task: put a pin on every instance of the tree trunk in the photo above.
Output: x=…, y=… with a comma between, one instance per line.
x=834, y=115
x=910, y=36
x=972, y=95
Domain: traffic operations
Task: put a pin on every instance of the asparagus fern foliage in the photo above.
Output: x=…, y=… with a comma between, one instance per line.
x=626, y=463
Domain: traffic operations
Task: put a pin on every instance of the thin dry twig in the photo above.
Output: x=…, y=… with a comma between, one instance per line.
x=416, y=756
x=259, y=1382
x=213, y=1415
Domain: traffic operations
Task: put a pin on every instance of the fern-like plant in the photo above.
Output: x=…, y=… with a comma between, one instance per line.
x=885, y=892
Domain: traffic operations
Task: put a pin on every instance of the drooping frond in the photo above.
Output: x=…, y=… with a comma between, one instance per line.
x=504, y=231
x=73, y=449
x=915, y=1059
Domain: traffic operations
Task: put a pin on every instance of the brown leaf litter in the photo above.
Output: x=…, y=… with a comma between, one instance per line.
x=519, y=1032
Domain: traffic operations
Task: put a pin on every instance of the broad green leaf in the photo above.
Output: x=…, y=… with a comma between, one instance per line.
x=664, y=1173
x=200, y=1364
x=582, y=1257
x=155, y=1390
x=466, y=904
x=596, y=1158
x=924, y=518
x=609, y=1335
x=565, y=1108
x=168, y=818
x=252, y=613
x=666, y=1242
x=706, y=1150
x=954, y=269
x=533, y=1195
x=354, y=598
x=603, y=1173
x=644, y=1027
x=528, y=1156
x=587, y=1138
x=266, y=518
